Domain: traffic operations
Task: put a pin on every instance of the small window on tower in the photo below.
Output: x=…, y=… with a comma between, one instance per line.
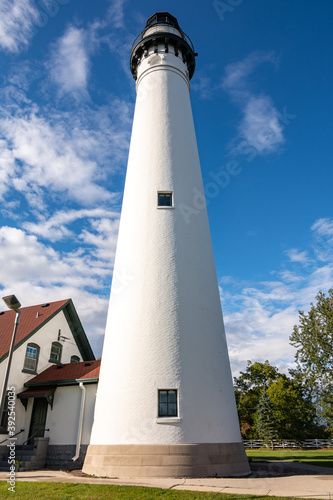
x=164, y=199
x=167, y=403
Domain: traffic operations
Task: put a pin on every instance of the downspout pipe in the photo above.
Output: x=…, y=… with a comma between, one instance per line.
x=80, y=426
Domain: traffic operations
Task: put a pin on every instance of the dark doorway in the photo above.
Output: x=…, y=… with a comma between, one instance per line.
x=38, y=419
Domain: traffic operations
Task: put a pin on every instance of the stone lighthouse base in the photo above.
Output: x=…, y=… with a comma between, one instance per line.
x=169, y=460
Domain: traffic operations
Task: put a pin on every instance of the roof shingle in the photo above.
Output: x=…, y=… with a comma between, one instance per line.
x=32, y=318
x=67, y=372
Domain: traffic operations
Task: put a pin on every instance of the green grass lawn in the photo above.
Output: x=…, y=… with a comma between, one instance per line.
x=68, y=491
x=322, y=457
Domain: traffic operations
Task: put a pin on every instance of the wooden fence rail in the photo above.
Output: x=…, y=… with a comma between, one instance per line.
x=308, y=443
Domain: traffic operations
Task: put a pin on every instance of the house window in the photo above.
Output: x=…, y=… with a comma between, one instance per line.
x=164, y=199
x=75, y=359
x=55, y=355
x=167, y=403
x=31, y=358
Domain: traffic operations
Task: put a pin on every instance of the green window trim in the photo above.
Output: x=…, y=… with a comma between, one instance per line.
x=55, y=353
x=31, y=358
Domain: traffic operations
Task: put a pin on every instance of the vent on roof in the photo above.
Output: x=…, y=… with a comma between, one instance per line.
x=2, y=312
x=60, y=366
x=45, y=305
x=88, y=363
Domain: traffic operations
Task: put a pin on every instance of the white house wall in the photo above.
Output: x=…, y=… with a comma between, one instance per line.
x=63, y=419
x=44, y=338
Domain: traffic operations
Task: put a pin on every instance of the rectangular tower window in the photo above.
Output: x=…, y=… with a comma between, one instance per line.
x=164, y=199
x=167, y=403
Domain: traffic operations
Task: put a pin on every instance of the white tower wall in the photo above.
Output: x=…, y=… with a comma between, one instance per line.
x=165, y=327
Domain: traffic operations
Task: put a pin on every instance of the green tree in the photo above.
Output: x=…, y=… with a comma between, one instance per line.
x=248, y=387
x=265, y=420
x=313, y=340
x=294, y=410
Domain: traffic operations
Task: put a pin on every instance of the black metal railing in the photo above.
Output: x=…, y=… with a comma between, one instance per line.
x=34, y=434
x=181, y=34
x=11, y=437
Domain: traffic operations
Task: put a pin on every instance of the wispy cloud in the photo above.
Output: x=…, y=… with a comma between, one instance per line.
x=99, y=230
x=36, y=271
x=69, y=64
x=259, y=317
x=45, y=153
x=17, y=20
x=297, y=256
x=261, y=127
x=323, y=227
x=115, y=13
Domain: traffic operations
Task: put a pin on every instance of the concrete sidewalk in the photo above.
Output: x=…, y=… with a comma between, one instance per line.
x=318, y=484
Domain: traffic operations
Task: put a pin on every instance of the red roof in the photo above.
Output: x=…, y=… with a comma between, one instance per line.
x=67, y=372
x=31, y=319
x=36, y=390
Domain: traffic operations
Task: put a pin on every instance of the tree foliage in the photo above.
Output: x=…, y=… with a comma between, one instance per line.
x=313, y=340
x=265, y=419
x=292, y=409
x=313, y=337
x=248, y=387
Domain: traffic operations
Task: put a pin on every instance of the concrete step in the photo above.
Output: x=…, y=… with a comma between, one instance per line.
x=4, y=466
x=25, y=447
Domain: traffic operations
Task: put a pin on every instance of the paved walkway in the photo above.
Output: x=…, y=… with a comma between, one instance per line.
x=316, y=482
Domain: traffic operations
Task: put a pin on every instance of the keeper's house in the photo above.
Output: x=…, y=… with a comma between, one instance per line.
x=54, y=378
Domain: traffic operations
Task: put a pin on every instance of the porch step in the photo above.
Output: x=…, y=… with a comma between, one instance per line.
x=23, y=454
x=24, y=447
x=31, y=456
x=4, y=466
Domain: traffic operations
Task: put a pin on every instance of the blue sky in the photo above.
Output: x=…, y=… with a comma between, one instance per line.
x=262, y=104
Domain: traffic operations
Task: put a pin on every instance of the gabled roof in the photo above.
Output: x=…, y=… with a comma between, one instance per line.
x=66, y=374
x=35, y=317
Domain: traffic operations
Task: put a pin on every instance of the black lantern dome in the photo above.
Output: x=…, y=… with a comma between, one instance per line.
x=162, y=30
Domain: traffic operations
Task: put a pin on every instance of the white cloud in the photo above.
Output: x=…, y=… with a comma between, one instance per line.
x=55, y=228
x=261, y=127
x=259, y=318
x=44, y=153
x=116, y=13
x=18, y=20
x=98, y=231
x=323, y=227
x=49, y=159
x=236, y=75
x=36, y=273
x=69, y=64
x=297, y=256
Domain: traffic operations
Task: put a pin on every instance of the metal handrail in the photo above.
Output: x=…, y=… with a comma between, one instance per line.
x=181, y=35
x=11, y=437
x=34, y=434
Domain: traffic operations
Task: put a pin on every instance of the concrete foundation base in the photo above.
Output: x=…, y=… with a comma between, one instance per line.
x=174, y=460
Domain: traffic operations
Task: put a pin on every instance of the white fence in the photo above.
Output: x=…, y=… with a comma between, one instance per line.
x=308, y=443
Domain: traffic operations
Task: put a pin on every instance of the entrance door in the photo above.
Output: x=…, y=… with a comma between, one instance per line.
x=38, y=419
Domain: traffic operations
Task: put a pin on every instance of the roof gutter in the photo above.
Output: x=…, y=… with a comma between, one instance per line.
x=80, y=426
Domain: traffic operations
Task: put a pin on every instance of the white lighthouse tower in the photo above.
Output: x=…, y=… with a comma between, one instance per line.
x=165, y=402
